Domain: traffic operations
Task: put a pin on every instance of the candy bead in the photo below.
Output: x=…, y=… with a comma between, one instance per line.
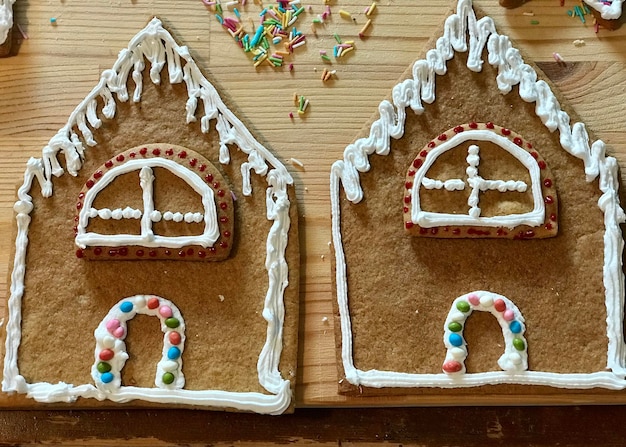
x=140, y=302
x=112, y=325
x=107, y=377
x=455, y=340
x=103, y=367
x=463, y=306
x=153, y=303
x=172, y=322
x=486, y=301
x=126, y=306
x=473, y=299
x=519, y=344
x=169, y=366
x=174, y=337
x=118, y=332
x=508, y=315
x=165, y=311
x=499, y=305
x=457, y=316
x=106, y=354
x=452, y=366
x=455, y=326
x=168, y=378
x=173, y=353
x=108, y=342
x=515, y=327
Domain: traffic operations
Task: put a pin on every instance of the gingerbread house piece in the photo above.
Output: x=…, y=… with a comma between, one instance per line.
x=164, y=268
x=501, y=261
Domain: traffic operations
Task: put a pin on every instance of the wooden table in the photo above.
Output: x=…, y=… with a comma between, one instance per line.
x=60, y=62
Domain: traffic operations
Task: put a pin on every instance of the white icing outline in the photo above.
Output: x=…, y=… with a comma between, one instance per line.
x=157, y=45
x=429, y=219
x=106, y=340
x=512, y=359
x=460, y=27
x=147, y=238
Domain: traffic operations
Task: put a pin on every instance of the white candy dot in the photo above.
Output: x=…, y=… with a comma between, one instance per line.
x=457, y=353
x=108, y=342
x=486, y=301
x=140, y=302
x=457, y=316
x=169, y=366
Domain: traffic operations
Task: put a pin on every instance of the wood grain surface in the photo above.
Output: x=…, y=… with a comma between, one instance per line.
x=59, y=63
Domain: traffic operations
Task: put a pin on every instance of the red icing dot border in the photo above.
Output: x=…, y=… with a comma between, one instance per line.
x=549, y=228
x=223, y=196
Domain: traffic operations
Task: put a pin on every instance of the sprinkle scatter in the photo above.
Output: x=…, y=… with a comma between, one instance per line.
x=273, y=39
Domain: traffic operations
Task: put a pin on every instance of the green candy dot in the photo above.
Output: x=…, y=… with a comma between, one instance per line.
x=172, y=322
x=168, y=378
x=103, y=367
x=463, y=306
x=455, y=326
x=519, y=344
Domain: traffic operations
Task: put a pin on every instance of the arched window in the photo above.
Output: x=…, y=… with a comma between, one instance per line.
x=480, y=180
x=155, y=202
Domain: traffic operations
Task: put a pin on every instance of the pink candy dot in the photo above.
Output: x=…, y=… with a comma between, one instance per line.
x=473, y=299
x=165, y=311
x=112, y=325
x=508, y=315
x=118, y=332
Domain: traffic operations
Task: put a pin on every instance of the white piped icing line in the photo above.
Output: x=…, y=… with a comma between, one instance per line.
x=147, y=238
x=157, y=45
x=462, y=28
x=515, y=356
x=111, y=355
x=6, y=19
x=609, y=10
x=477, y=184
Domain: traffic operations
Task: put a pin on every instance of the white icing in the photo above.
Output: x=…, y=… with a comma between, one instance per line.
x=104, y=340
x=428, y=219
x=609, y=10
x=459, y=28
x=512, y=359
x=6, y=19
x=159, y=48
x=147, y=238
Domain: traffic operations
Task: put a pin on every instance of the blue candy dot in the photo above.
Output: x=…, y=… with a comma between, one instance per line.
x=455, y=340
x=106, y=377
x=126, y=306
x=173, y=353
x=515, y=327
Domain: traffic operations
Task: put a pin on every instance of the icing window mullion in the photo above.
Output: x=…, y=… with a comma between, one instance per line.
x=146, y=180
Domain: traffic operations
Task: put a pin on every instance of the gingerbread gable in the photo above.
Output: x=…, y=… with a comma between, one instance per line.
x=408, y=280
x=170, y=191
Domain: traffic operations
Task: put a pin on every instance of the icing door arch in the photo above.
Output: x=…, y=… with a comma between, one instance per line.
x=111, y=355
x=515, y=356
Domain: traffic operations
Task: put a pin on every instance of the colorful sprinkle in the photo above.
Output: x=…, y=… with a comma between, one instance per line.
x=519, y=344
x=126, y=306
x=463, y=306
x=103, y=367
x=173, y=353
x=515, y=327
x=455, y=340
x=172, y=322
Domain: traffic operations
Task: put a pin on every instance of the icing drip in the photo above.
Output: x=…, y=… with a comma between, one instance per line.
x=158, y=46
x=610, y=10
x=6, y=19
x=460, y=28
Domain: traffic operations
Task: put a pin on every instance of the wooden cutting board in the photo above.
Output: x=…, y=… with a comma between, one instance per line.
x=59, y=64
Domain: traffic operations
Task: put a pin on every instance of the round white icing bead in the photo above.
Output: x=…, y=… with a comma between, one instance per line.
x=168, y=215
x=486, y=301
x=155, y=216
x=22, y=206
x=188, y=217
x=515, y=358
x=178, y=217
